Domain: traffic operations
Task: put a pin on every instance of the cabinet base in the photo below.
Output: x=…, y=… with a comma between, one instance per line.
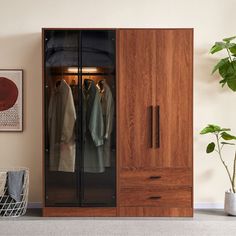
x=79, y=211
x=155, y=211
x=113, y=211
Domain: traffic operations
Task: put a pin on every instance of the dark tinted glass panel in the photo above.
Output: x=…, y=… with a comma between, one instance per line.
x=61, y=96
x=99, y=143
x=80, y=118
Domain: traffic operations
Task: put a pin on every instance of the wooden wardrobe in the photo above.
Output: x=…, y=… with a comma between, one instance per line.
x=153, y=126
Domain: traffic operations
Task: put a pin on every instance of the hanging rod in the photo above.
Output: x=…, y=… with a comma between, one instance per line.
x=82, y=73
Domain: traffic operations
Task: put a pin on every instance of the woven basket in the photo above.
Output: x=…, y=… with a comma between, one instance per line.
x=8, y=206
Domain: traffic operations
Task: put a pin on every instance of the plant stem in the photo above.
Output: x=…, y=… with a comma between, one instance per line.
x=230, y=59
x=226, y=167
x=234, y=172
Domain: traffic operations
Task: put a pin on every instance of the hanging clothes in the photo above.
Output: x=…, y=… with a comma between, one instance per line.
x=93, y=129
x=61, y=122
x=107, y=103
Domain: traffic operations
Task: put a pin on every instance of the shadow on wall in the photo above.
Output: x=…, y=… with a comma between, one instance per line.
x=205, y=176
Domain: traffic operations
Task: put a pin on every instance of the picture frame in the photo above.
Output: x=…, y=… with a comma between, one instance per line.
x=11, y=100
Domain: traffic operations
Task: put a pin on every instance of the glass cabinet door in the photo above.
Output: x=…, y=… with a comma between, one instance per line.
x=98, y=125
x=80, y=117
x=61, y=50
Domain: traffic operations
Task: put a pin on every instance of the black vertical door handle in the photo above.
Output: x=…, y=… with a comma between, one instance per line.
x=151, y=125
x=158, y=126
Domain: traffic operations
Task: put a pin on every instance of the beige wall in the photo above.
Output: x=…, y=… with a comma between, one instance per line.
x=20, y=47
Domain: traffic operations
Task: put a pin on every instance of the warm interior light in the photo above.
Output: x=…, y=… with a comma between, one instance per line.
x=89, y=70
x=84, y=69
x=72, y=69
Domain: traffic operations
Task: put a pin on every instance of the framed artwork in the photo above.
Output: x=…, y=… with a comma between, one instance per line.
x=11, y=100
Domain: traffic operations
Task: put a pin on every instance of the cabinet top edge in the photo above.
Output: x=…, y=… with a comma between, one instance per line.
x=45, y=28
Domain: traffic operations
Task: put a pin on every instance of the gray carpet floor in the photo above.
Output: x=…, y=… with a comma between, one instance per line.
x=204, y=222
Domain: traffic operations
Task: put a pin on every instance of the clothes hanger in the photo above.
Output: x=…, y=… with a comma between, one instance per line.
x=88, y=79
x=58, y=82
x=73, y=82
x=87, y=83
x=100, y=84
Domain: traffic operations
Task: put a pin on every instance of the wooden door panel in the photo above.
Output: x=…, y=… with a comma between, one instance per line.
x=136, y=93
x=174, y=90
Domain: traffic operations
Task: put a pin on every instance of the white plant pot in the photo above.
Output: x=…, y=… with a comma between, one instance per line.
x=230, y=203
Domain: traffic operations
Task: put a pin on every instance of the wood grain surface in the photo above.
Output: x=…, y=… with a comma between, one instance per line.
x=155, y=121
x=155, y=211
x=174, y=95
x=159, y=197
x=79, y=211
x=154, y=69
x=137, y=66
x=155, y=177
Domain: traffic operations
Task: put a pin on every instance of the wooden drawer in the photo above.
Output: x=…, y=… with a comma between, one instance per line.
x=156, y=177
x=162, y=197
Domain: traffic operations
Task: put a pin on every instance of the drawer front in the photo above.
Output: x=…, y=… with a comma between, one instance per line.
x=167, y=197
x=156, y=177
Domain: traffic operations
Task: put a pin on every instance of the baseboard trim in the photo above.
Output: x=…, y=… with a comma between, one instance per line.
x=35, y=205
x=197, y=205
x=208, y=205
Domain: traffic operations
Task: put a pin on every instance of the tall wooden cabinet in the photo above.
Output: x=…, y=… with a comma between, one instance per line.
x=155, y=122
x=152, y=79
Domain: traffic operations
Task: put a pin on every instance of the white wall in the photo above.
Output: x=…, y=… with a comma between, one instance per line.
x=20, y=47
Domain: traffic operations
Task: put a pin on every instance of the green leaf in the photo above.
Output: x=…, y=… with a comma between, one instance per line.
x=223, y=82
x=230, y=77
x=210, y=129
x=227, y=69
x=225, y=129
x=219, y=64
x=207, y=130
x=218, y=46
x=226, y=66
x=230, y=45
x=225, y=143
x=213, y=128
x=227, y=136
x=210, y=147
x=223, y=45
x=232, y=83
x=227, y=40
x=233, y=49
x=228, y=73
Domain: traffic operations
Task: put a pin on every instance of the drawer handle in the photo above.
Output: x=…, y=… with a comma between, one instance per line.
x=155, y=177
x=155, y=197
x=152, y=126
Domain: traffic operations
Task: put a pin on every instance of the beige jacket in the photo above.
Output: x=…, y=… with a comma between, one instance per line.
x=61, y=122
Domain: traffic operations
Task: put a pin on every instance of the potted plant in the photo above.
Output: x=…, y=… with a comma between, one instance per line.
x=222, y=139
x=227, y=65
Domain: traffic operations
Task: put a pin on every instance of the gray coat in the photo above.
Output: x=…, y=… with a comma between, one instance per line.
x=108, y=114
x=93, y=129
